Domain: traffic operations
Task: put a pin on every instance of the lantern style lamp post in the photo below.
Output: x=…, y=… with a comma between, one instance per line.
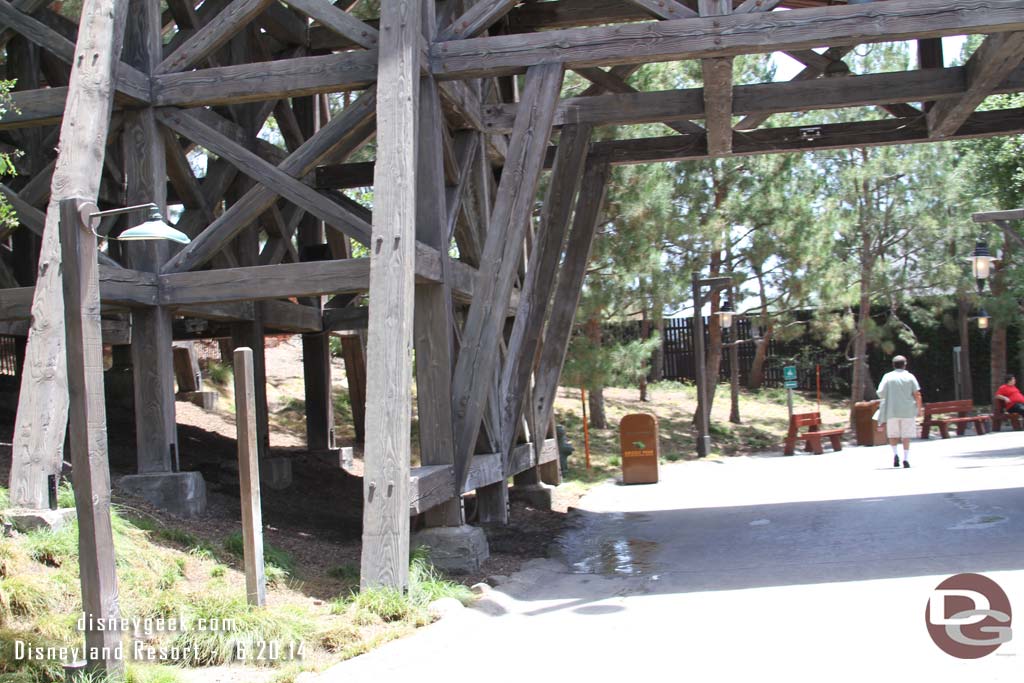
x=87, y=428
x=981, y=263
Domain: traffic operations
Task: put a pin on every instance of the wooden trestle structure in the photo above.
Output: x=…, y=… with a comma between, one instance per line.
x=461, y=145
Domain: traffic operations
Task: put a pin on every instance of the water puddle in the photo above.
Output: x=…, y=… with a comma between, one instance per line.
x=980, y=522
x=603, y=543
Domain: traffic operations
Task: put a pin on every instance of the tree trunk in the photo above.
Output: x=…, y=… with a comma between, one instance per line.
x=645, y=333
x=998, y=357
x=596, y=393
x=964, y=327
x=658, y=360
x=734, y=380
x=756, y=380
x=714, y=362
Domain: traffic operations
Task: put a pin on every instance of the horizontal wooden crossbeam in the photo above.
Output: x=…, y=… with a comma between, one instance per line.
x=724, y=36
x=763, y=98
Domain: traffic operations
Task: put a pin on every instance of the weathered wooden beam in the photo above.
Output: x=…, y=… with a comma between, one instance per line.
x=339, y=21
x=717, y=75
x=385, y=558
x=803, y=138
x=43, y=401
x=567, y=292
x=756, y=6
x=993, y=61
x=294, y=77
x=612, y=82
x=755, y=101
x=339, y=137
x=128, y=81
x=536, y=290
x=666, y=9
x=500, y=260
x=214, y=34
x=257, y=283
x=538, y=16
x=434, y=319
x=289, y=317
x=43, y=107
x=725, y=36
x=477, y=19
x=346, y=318
x=430, y=486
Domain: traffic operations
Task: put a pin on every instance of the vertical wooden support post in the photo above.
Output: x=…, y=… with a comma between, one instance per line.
x=316, y=374
x=434, y=319
x=249, y=334
x=249, y=478
x=355, y=373
x=477, y=365
x=145, y=169
x=41, y=422
x=567, y=292
x=385, y=558
x=88, y=432
x=535, y=293
x=700, y=366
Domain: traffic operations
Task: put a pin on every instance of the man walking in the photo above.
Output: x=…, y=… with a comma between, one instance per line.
x=901, y=403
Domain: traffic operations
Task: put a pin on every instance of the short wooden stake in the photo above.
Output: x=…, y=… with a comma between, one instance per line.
x=249, y=478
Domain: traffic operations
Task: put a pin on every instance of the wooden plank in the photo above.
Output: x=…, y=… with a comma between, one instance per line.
x=339, y=137
x=567, y=291
x=666, y=9
x=256, y=283
x=43, y=401
x=535, y=292
x=757, y=101
x=288, y=317
x=718, y=103
x=41, y=107
x=249, y=478
x=611, y=81
x=993, y=216
x=294, y=77
x=756, y=6
x=993, y=61
x=477, y=19
x=385, y=560
x=430, y=486
x=500, y=260
x=214, y=34
x=827, y=136
x=546, y=16
x=354, y=355
x=128, y=81
x=87, y=427
x=929, y=56
x=724, y=36
x=434, y=319
x=339, y=21
x=187, y=374
x=347, y=318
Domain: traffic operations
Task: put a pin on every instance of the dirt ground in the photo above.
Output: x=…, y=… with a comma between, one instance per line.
x=318, y=518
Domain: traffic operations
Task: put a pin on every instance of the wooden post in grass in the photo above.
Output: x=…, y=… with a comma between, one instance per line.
x=88, y=434
x=249, y=478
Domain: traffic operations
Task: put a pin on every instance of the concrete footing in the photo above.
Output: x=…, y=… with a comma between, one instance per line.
x=537, y=496
x=24, y=519
x=180, y=493
x=276, y=473
x=207, y=400
x=454, y=549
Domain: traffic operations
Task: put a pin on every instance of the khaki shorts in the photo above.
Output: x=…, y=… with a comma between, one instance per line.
x=901, y=427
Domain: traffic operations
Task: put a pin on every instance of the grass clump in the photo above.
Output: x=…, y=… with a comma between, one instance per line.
x=241, y=629
x=13, y=670
x=279, y=565
x=218, y=373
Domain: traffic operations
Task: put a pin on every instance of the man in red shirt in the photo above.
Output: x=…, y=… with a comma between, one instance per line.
x=1009, y=395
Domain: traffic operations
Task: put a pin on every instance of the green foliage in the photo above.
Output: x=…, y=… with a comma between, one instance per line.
x=218, y=373
x=27, y=670
x=279, y=564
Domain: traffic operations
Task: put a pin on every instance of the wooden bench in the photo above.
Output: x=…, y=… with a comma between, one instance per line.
x=962, y=409
x=812, y=437
x=999, y=416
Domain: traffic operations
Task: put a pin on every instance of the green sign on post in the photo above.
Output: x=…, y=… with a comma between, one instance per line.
x=789, y=373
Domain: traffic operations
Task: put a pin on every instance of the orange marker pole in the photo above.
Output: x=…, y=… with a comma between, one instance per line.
x=586, y=427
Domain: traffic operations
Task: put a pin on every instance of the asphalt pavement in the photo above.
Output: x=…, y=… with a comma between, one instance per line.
x=803, y=568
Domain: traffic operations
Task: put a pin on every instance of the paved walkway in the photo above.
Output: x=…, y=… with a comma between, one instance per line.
x=809, y=568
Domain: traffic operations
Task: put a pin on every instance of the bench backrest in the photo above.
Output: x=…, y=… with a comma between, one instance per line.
x=964, y=406
x=804, y=420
